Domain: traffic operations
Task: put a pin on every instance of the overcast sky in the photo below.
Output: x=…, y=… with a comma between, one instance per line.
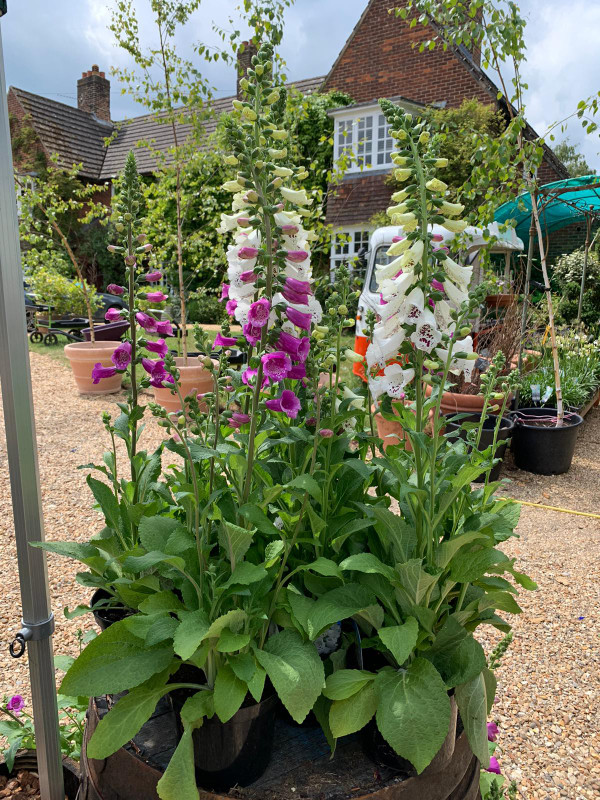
x=48, y=43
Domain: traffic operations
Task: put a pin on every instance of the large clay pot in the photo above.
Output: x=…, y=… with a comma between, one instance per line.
x=390, y=432
x=456, y=402
x=501, y=300
x=82, y=357
x=192, y=378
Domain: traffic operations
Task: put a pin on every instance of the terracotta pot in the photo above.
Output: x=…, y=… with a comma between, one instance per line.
x=457, y=402
x=82, y=357
x=390, y=432
x=500, y=300
x=192, y=378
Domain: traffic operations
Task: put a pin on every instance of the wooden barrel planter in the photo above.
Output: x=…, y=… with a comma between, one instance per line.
x=300, y=767
x=26, y=760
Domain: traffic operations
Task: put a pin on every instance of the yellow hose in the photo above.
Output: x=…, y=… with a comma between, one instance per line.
x=555, y=508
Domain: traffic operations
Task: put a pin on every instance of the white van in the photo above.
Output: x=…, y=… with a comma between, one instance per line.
x=507, y=243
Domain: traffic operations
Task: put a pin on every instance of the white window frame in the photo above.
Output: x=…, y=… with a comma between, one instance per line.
x=357, y=133
x=346, y=244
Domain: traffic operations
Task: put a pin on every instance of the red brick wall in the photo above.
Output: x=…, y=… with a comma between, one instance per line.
x=567, y=239
x=380, y=61
x=103, y=195
x=357, y=199
x=24, y=157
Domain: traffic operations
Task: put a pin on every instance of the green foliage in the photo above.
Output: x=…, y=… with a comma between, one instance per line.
x=574, y=161
x=51, y=287
x=567, y=275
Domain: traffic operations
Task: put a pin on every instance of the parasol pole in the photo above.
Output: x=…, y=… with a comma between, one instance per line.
x=38, y=623
x=588, y=222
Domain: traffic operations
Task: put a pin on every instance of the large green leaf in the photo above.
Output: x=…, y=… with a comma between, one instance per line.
x=137, y=564
x=259, y=519
x=308, y=484
x=85, y=553
x=455, y=654
x=179, y=779
x=235, y=541
x=350, y=715
x=233, y=619
x=400, y=640
x=325, y=566
x=450, y=547
x=468, y=566
x=502, y=601
x=229, y=693
x=413, y=711
x=192, y=629
x=124, y=720
x=415, y=581
x=105, y=498
x=231, y=642
x=472, y=704
x=490, y=687
x=295, y=670
x=244, y=574
x=161, y=601
x=114, y=661
x=338, y=604
x=395, y=531
x=368, y=563
x=345, y=682
x=155, y=533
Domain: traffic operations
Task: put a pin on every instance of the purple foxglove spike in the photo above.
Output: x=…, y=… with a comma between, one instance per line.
x=99, y=372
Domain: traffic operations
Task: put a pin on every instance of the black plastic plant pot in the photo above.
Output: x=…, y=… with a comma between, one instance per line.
x=539, y=446
x=505, y=431
x=107, y=616
x=237, y=752
x=109, y=332
x=26, y=760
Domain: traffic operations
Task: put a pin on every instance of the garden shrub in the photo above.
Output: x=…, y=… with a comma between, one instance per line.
x=65, y=295
x=567, y=277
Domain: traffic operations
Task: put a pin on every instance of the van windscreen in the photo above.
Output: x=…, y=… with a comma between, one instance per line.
x=381, y=259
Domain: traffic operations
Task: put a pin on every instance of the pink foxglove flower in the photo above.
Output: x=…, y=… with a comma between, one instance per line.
x=290, y=344
x=326, y=433
x=295, y=297
x=159, y=347
x=230, y=307
x=156, y=297
x=247, y=253
x=113, y=314
x=99, y=372
x=157, y=373
x=492, y=731
x=297, y=372
x=298, y=318
x=252, y=333
x=288, y=403
x=276, y=365
x=224, y=341
x=238, y=419
x=152, y=277
x=147, y=322
x=164, y=328
x=248, y=277
x=494, y=766
x=302, y=287
x=16, y=704
x=290, y=230
x=249, y=375
x=224, y=292
x=296, y=256
x=121, y=357
x=258, y=313
x=114, y=288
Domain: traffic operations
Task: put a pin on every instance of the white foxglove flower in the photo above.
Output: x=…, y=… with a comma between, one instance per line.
x=394, y=292
x=427, y=335
x=451, y=209
x=436, y=185
x=381, y=350
x=460, y=275
x=398, y=248
x=454, y=225
x=393, y=382
x=454, y=294
x=296, y=196
x=442, y=314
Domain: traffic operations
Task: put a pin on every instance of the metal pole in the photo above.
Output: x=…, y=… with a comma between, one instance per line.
x=17, y=399
x=525, y=301
x=588, y=222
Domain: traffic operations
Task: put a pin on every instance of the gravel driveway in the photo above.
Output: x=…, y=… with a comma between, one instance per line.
x=548, y=707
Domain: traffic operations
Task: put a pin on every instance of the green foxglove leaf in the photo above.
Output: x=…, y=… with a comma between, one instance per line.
x=338, y=604
x=244, y=574
x=400, y=640
x=308, y=484
x=351, y=715
x=256, y=684
x=243, y=665
x=235, y=541
x=450, y=547
x=366, y=562
x=346, y=682
x=179, y=779
x=137, y=564
x=155, y=533
x=229, y=693
x=501, y=601
x=259, y=519
x=469, y=566
x=415, y=581
x=472, y=705
x=163, y=628
x=191, y=631
x=295, y=670
x=161, y=601
x=413, y=711
x=233, y=619
x=105, y=498
x=196, y=708
x=231, y=642
x=455, y=654
x=272, y=552
x=114, y=661
x=325, y=566
x=395, y=531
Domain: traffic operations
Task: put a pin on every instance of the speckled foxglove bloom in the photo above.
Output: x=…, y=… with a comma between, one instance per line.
x=121, y=357
x=422, y=290
x=115, y=289
x=156, y=297
x=159, y=346
x=152, y=277
x=99, y=372
x=113, y=314
x=287, y=402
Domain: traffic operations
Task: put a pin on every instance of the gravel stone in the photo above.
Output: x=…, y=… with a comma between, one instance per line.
x=548, y=702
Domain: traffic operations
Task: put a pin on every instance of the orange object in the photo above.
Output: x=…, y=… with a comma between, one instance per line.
x=82, y=357
x=192, y=378
x=457, y=403
x=360, y=346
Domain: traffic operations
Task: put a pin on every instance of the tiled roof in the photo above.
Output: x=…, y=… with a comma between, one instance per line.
x=76, y=136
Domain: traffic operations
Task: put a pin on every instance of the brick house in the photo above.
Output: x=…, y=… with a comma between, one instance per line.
x=378, y=60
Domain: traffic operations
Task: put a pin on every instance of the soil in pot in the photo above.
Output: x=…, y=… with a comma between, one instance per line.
x=23, y=782
x=193, y=378
x=107, y=332
x=233, y=753
x=107, y=616
x=82, y=357
x=454, y=426
x=539, y=446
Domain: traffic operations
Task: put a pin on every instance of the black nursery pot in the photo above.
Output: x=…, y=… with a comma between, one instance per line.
x=108, y=332
x=27, y=760
x=106, y=616
x=544, y=450
x=233, y=753
x=505, y=431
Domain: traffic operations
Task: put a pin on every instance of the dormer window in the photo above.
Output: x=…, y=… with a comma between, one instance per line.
x=364, y=138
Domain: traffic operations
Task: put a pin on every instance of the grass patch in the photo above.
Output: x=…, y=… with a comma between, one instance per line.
x=55, y=351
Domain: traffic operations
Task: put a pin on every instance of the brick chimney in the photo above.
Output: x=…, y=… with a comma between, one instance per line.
x=93, y=93
x=243, y=64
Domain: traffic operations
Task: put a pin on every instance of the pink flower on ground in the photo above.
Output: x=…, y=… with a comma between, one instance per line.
x=276, y=365
x=224, y=292
x=247, y=252
x=297, y=372
x=252, y=333
x=114, y=288
x=121, y=357
x=326, y=433
x=248, y=376
x=16, y=704
x=147, y=322
x=492, y=731
x=99, y=372
x=159, y=346
x=494, y=766
x=224, y=341
x=164, y=328
x=298, y=318
x=230, y=307
x=258, y=313
x=152, y=277
x=238, y=419
x=156, y=297
x=288, y=403
x=113, y=314
x=296, y=256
